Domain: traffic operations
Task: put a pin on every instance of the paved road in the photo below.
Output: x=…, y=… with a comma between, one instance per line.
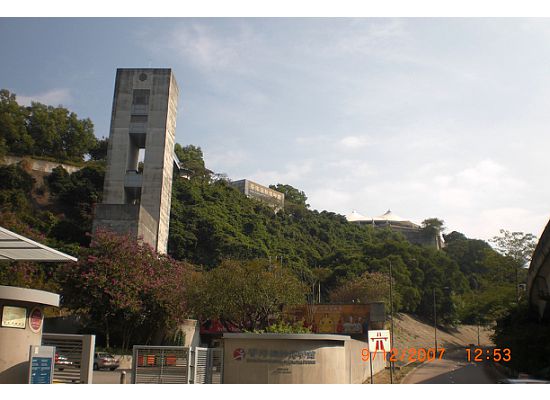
x=110, y=377
x=453, y=368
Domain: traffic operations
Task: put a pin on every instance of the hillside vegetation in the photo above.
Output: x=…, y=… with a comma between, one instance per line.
x=212, y=223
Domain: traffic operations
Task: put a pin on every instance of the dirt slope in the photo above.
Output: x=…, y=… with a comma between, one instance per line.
x=412, y=332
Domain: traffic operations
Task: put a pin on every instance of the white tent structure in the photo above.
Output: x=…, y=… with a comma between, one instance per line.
x=355, y=216
x=14, y=247
x=388, y=218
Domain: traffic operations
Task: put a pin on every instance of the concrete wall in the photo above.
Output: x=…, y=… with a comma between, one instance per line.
x=538, y=280
x=130, y=219
x=295, y=358
x=39, y=165
x=360, y=369
x=14, y=348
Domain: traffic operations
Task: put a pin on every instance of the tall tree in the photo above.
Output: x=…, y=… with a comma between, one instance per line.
x=292, y=194
x=13, y=121
x=245, y=293
x=120, y=286
x=367, y=288
x=519, y=247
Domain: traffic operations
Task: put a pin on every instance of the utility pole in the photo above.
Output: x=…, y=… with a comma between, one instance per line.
x=478, y=331
x=517, y=285
x=435, y=323
x=391, y=322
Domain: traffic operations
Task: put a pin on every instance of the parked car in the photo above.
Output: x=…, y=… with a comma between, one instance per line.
x=61, y=362
x=104, y=361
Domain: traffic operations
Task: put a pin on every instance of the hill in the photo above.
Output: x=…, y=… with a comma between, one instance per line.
x=211, y=222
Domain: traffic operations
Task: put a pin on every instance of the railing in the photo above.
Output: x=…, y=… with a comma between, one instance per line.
x=133, y=179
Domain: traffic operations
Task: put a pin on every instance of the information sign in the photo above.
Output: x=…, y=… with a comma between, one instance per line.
x=35, y=320
x=41, y=364
x=14, y=317
x=379, y=341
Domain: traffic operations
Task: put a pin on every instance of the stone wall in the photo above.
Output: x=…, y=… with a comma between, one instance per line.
x=39, y=165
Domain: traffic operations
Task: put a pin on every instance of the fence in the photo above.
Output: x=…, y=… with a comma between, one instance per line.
x=176, y=364
x=79, y=353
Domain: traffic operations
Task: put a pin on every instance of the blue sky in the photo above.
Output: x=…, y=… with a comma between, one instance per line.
x=428, y=117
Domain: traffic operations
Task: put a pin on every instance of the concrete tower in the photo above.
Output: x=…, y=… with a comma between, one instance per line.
x=143, y=124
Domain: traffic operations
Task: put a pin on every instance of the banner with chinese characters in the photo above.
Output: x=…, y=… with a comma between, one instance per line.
x=274, y=356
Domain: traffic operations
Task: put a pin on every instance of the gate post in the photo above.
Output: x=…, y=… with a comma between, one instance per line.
x=87, y=359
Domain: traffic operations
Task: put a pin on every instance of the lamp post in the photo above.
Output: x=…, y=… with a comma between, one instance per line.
x=435, y=318
x=435, y=322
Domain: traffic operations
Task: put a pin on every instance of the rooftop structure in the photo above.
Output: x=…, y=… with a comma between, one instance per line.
x=412, y=232
x=266, y=195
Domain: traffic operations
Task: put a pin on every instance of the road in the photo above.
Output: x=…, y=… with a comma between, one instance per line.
x=109, y=377
x=453, y=368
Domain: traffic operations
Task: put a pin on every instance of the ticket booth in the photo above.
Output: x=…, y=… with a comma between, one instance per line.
x=22, y=310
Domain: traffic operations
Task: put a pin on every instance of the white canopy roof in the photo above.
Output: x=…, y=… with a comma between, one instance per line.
x=355, y=216
x=14, y=247
x=389, y=216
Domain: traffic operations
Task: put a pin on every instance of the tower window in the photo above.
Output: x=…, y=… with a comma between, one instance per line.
x=141, y=97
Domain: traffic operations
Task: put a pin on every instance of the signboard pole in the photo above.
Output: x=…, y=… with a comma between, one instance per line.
x=379, y=342
x=370, y=362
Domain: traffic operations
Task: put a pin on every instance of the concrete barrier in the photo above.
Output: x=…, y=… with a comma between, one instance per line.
x=295, y=358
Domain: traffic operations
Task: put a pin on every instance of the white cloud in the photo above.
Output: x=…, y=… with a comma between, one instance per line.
x=52, y=97
x=355, y=142
x=206, y=48
x=293, y=174
x=373, y=37
x=488, y=222
x=220, y=160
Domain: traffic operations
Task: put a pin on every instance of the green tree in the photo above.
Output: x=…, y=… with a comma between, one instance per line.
x=14, y=137
x=245, y=293
x=76, y=193
x=121, y=286
x=292, y=194
x=59, y=133
x=433, y=225
x=99, y=151
x=520, y=331
x=519, y=247
x=191, y=158
x=367, y=288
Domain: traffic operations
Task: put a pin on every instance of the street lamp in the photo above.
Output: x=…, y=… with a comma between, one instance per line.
x=435, y=318
x=435, y=322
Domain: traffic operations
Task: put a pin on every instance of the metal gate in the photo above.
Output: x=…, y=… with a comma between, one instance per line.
x=177, y=364
x=208, y=365
x=74, y=357
x=160, y=364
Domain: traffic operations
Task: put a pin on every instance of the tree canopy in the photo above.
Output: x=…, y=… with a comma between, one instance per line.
x=43, y=131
